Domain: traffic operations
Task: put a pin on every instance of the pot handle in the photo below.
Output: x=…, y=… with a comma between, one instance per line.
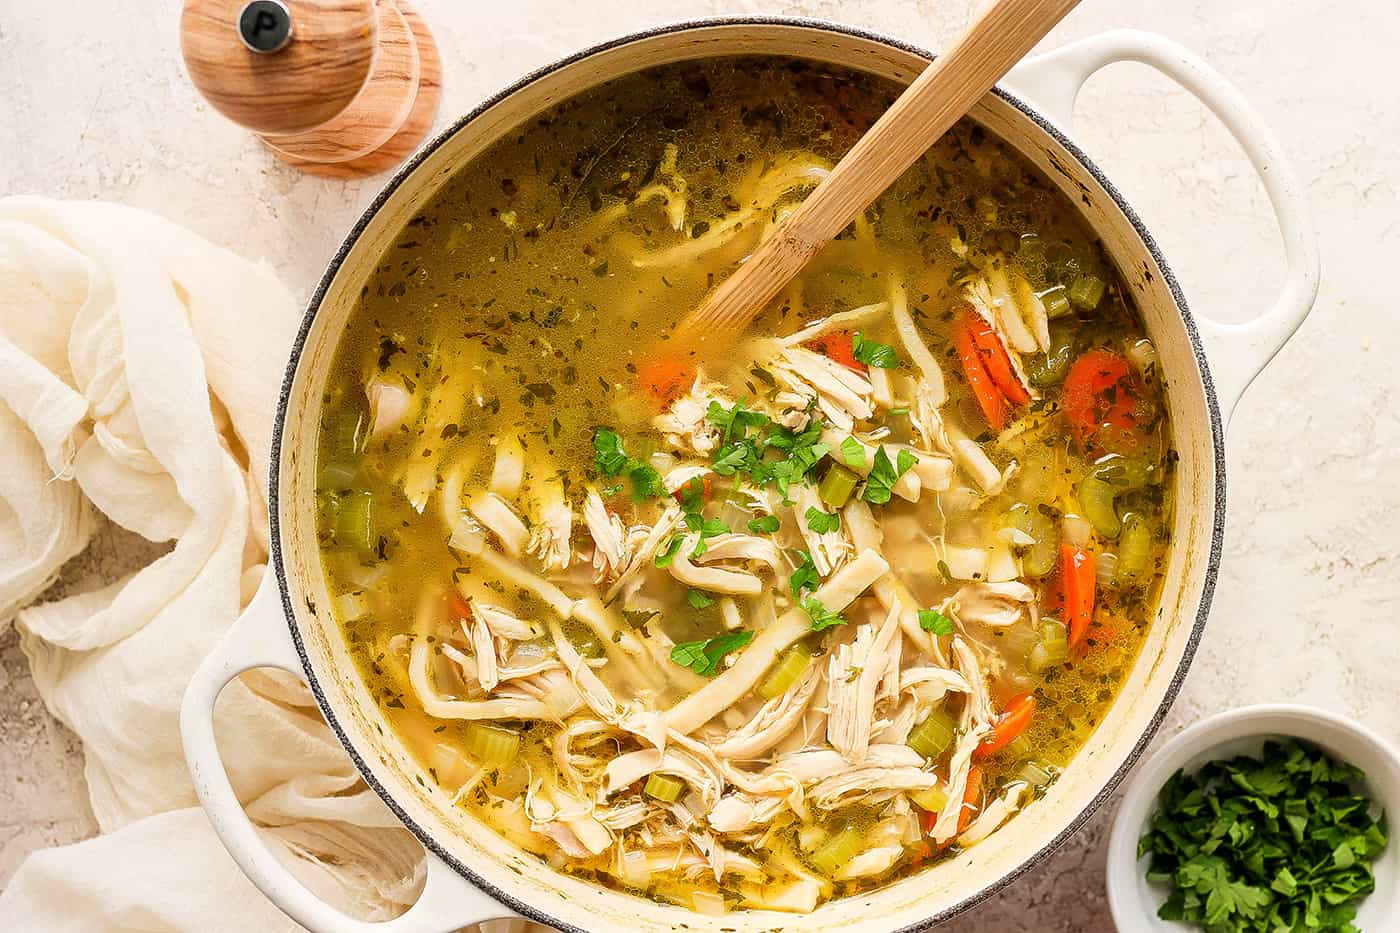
x=260, y=638
x=1238, y=352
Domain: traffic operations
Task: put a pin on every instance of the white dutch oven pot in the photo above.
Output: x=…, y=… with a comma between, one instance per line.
x=472, y=873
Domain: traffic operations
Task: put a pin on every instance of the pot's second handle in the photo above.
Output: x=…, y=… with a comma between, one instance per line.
x=260, y=638
x=1237, y=352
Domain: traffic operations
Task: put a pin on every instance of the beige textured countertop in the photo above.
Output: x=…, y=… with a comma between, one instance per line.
x=96, y=106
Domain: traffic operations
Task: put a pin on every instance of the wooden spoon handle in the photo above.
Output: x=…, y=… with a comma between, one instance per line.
x=995, y=41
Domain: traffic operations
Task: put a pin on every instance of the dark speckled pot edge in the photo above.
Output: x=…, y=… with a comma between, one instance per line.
x=399, y=177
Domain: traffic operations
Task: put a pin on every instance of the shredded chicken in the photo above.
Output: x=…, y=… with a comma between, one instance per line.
x=737, y=813
x=609, y=537
x=773, y=721
x=996, y=604
x=842, y=395
x=829, y=549
x=855, y=672
x=641, y=548
x=685, y=425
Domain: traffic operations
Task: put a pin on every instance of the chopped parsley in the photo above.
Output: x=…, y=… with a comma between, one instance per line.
x=699, y=599
x=667, y=552
x=805, y=576
x=772, y=456
x=765, y=525
x=646, y=481
x=734, y=422
x=823, y=522
x=822, y=617
x=931, y=620
x=1259, y=845
x=708, y=527
x=871, y=353
x=704, y=657
x=853, y=452
x=879, y=485
x=691, y=495
x=608, y=454
x=611, y=459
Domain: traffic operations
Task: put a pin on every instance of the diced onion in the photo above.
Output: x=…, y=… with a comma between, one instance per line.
x=1105, y=567
x=1036, y=774
x=707, y=902
x=362, y=575
x=450, y=765
x=468, y=537
x=1076, y=530
x=811, y=835
x=635, y=869
x=351, y=606
x=1143, y=355
x=1134, y=548
x=1051, y=649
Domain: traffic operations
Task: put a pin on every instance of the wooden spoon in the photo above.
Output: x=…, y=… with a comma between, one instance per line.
x=993, y=42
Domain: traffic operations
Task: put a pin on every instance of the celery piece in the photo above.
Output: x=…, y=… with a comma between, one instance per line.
x=1039, y=557
x=1056, y=302
x=785, y=672
x=354, y=523
x=837, y=485
x=1051, y=649
x=1086, y=291
x=1134, y=548
x=837, y=851
x=932, y=737
x=1106, y=480
x=663, y=787
x=491, y=744
x=347, y=435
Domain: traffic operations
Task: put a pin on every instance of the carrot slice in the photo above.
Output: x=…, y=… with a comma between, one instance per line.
x=687, y=489
x=1011, y=723
x=996, y=360
x=991, y=400
x=1103, y=401
x=839, y=346
x=1078, y=581
x=665, y=377
x=457, y=605
x=972, y=797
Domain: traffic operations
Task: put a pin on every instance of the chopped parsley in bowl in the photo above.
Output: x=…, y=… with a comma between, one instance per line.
x=1269, y=818
x=1282, y=841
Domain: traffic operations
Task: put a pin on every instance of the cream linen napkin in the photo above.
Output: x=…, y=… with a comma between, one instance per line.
x=139, y=370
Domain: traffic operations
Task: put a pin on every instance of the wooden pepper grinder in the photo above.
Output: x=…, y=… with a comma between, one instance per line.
x=342, y=88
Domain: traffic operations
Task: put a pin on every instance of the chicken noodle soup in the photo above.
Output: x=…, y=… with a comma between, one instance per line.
x=768, y=628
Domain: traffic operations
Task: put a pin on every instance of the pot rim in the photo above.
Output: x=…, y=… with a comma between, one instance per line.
x=1217, y=533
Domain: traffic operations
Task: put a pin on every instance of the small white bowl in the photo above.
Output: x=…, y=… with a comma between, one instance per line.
x=1134, y=901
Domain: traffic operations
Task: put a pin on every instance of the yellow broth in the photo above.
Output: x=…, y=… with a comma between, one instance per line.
x=525, y=297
